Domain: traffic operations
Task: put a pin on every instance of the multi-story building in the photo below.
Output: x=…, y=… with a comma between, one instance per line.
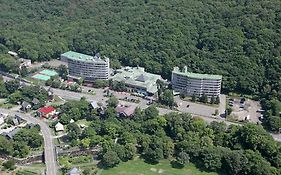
x=189, y=84
x=88, y=67
x=138, y=80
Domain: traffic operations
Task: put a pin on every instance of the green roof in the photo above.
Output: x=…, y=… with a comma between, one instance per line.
x=137, y=77
x=195, y=75
x=83, y=57
x=77, y=56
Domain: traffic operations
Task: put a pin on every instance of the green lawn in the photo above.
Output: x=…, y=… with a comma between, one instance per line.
x=139, y=167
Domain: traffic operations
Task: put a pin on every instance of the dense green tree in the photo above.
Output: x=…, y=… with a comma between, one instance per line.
x=12, y=85
x=112, y=101
x=274, y=123
x=110, y=159
x=211, y=158
x=234, y=162
x=182, y=158
x=6, y=146
x=167, y=98
x=30, y=136
x=9, y=164
x=62, y=71
x=217, y=100
x=203, y=98
x=151, y=112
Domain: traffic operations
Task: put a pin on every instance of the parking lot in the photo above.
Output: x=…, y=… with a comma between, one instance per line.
x=244, y=109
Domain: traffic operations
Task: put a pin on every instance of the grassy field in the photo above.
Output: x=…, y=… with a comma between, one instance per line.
x=139, y=167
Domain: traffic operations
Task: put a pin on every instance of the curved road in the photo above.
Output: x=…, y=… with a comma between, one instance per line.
x=49, y=148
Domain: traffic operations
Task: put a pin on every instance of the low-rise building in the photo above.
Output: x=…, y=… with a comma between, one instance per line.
x=138, y=80
x=59, y=127
x=74, y=171
x=46, y=111
x=189, y=83
x=25, y=106
x=90, y=68
x=11, y=134
x=125, y=111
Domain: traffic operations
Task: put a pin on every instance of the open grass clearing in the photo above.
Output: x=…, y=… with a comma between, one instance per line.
x=139, y=167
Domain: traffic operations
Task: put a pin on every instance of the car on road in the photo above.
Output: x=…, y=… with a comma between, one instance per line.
x=187, y=106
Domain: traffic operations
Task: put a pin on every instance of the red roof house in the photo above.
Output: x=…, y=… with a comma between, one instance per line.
x=46, y=111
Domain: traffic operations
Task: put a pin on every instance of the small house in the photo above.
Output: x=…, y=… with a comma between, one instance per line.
x=71, y=121
x=59, y=127
x=47, y=111
x=35, y=101
x=16, y=120
x=74, y=171
x=125, y=111
x=1, y=120
x=11, y=134
x=25, y=106
x=94, y=105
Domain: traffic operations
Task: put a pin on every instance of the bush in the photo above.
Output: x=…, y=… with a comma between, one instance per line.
x=10, y=165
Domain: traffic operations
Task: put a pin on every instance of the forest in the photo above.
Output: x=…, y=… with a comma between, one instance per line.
x=239, y=39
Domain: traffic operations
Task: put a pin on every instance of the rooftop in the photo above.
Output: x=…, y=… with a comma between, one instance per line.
x=82, y=57
x=195, y=75
x=136, y=76
x=47, y=109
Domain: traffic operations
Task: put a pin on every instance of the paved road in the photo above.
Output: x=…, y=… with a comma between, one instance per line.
x=49, y=151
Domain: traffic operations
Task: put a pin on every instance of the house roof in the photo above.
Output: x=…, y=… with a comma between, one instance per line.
x=126, y=110
x=46, y=109
x=94, y=104
x=25, y=104
x=59, y=127
x=15, y=121
x=12, y=133
x=35, y=101
x=74, y=171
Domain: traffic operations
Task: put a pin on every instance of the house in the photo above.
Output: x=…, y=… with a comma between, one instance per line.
x=46, y=111
x=125, y=111
x=35, y=101
x=1, y=120
x=11, y=134
x=25, y=62
x=16, y=120
x=14, y=54
x=50, y=94
x=59, y=127
x=71, y=121
x=25, y=106
x=94, y=104
x=74, y=171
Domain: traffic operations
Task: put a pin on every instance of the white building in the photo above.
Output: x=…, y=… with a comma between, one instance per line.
x=188, y=83
x=88, y=67
x=59, y=127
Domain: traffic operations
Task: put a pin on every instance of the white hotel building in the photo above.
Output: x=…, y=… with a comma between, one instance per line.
x=188, y=83
x=88, y=67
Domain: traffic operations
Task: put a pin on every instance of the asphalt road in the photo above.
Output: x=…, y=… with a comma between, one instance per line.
x=49, y=151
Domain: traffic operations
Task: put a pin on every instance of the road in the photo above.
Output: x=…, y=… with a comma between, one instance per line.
x=49, y=151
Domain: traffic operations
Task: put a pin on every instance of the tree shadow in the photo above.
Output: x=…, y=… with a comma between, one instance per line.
x=176, y=165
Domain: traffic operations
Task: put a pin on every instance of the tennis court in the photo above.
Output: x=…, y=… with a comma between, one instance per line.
x=48, y=72
x=41, y=77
